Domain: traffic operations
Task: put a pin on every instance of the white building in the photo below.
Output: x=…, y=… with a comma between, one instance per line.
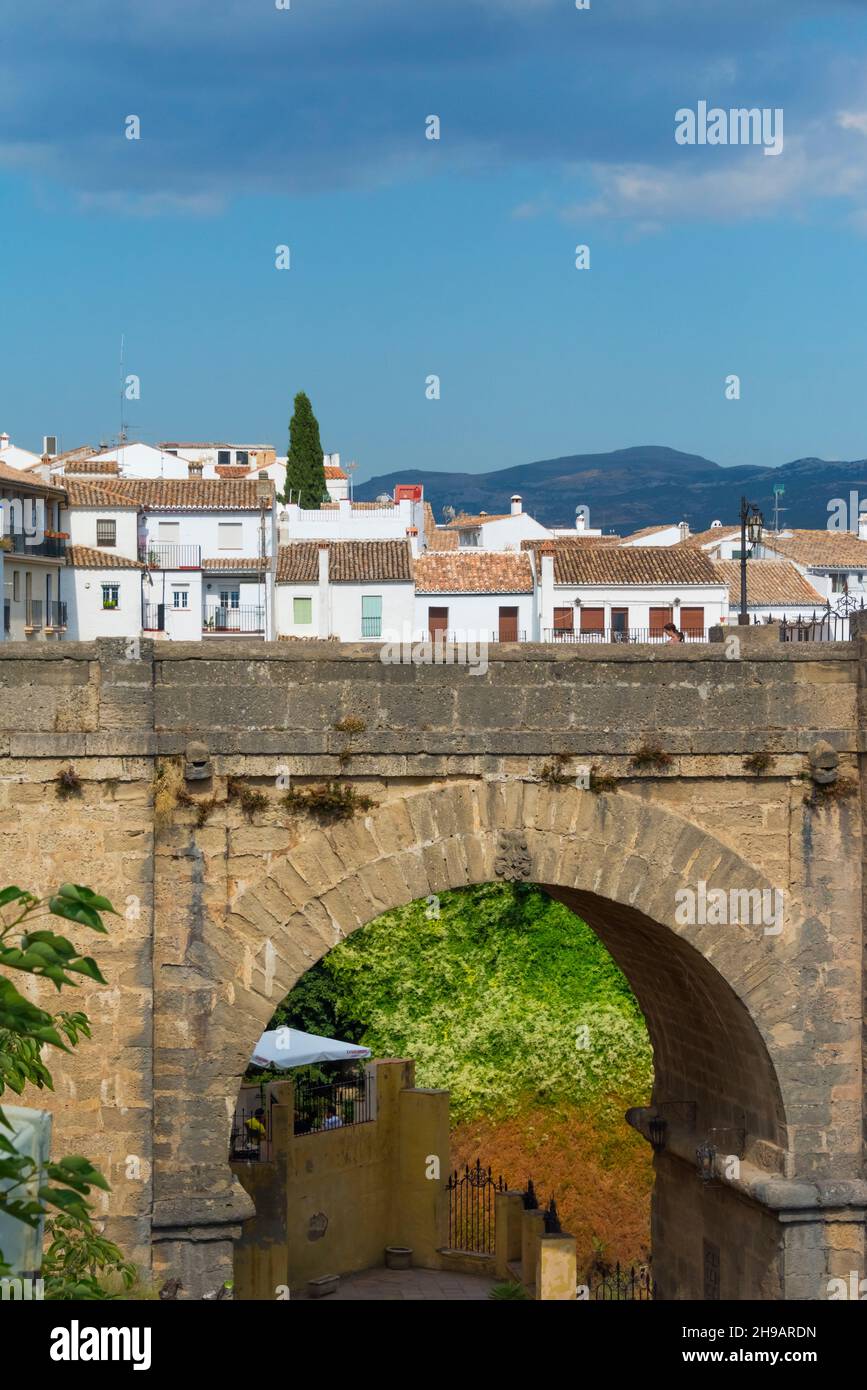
x=216, y=459
x=481, y=596
x=497, y=532
x=592, y=592
x=834, y=562
x=207, y=547
x=347, y=520
x=776, y=591
x=32, y=557
x=670, y=533
x=718, y=542
x=12, y=456
x=104, y=594
x=356, y=591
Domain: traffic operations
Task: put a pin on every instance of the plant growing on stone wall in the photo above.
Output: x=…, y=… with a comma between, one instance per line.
x=68, y=783
x=250, y=799
x=328, y=802
x=827, y=794
x=204, y=810
x=757, y=763
x=169, y=792
x=650, y=755
x=602, y=781
x=26, y=944
x=554, y=772
x=349, y=725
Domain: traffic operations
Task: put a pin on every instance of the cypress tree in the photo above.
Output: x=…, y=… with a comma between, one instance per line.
x=305, y=471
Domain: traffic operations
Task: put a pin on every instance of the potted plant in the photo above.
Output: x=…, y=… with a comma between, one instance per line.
x=109, y=603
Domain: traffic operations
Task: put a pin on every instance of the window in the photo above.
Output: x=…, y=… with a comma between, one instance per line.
x=230, y=598
x=302, y=611
x=437, y=622
x=110, y=595
x=469, y=538
x=224, y=457
x=180, y=598
x=692, y=622
x=242, y=457
x=168, y=532
x=230, y=535
x=16, y=585
x=371, y=615
x=106, y=531
x=564, y=619
x=593, y=620
x=658, y=618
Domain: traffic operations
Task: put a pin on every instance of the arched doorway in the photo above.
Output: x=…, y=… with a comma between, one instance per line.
x=714, y=999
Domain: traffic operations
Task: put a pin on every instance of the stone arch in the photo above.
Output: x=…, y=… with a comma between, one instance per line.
x=718, y=1001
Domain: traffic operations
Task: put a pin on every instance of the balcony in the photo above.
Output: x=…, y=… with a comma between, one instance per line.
x=49, y=548
x=55, y=616
x=153, y=617
x=33, y=615
x=171, y=557
x=244, y=619
x=618, y=634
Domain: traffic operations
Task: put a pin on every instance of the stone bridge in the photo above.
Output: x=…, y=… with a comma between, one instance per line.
x=756, y=1026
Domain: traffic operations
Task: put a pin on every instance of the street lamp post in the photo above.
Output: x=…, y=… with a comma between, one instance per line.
x=751, y=528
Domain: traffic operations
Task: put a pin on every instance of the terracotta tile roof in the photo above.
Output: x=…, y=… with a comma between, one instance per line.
x=84, y=557
x=439, y=539
x=349, y=562
x=580, y=541
x=772, y=582
x=87, y=494
x=647, y=564
x=186, y=494
x=331, y=472
x=649, y=531
x=252, y=562
x=820, y=549
x=480, y=572
x=714, y=533
x=233, y=470
x=215, y=444
x=26, y=480
x=463, y=520
x=91, y=466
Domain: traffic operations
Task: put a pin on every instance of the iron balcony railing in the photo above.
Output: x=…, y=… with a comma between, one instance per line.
x=245, y=618
x=449, y=639
x=33, y=613
x=333, y=1104
x=171, y=557
x=55, y=614
x=153, y=617
x=610, y=634
x=49, y=548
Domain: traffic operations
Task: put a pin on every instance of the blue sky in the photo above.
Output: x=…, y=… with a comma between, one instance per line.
x=413, y=257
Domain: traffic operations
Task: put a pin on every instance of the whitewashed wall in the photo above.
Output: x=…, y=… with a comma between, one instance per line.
x=86, y=617
x=477, y=615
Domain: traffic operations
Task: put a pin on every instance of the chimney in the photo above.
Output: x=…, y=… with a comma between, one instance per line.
x=324, y=604
x=4, y=440
x=283, y=528
x=517, y=505
x=580, y=520
x=412, y=533
x=683, y=528
x=194, y=468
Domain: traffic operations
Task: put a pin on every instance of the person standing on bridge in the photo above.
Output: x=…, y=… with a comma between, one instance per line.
x=672, y=633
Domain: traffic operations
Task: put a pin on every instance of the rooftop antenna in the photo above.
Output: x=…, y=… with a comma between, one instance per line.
x=350, y=468
x=121, y=438
x=779, y=489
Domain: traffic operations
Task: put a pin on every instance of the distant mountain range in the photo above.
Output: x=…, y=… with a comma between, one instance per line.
x=630, y=488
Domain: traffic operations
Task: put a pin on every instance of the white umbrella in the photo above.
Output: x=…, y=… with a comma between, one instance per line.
x=288, y=1047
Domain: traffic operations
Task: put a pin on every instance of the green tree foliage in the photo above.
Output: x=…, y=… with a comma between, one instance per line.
x=504, y=995
x=305, y=470
x=25, y=1029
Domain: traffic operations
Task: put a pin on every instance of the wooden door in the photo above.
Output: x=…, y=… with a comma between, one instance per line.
x=508, y=624
x=619, y=624
x=437, y=622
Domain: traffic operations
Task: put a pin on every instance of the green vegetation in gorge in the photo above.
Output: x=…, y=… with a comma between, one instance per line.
x=503, y=996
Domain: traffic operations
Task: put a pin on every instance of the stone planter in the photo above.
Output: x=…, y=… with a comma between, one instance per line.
x=326, y=1284
x=398, y=1257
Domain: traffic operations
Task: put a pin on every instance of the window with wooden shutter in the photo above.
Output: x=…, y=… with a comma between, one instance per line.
x=692, y=622
x=658, y=618
x=592, y=619
x=564, y=619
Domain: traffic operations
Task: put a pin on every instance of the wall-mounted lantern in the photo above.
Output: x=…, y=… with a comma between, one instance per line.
x=706, y=1158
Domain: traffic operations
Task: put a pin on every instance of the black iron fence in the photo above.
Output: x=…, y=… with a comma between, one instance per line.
x=333, y=1104
x=245, y=618
x=55, y=613
x=618, y=634
x=621, y=1285
x=827, y=625
x=251, y=1134
x=153, y=617
x=33, y=613
x=472, y=1209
